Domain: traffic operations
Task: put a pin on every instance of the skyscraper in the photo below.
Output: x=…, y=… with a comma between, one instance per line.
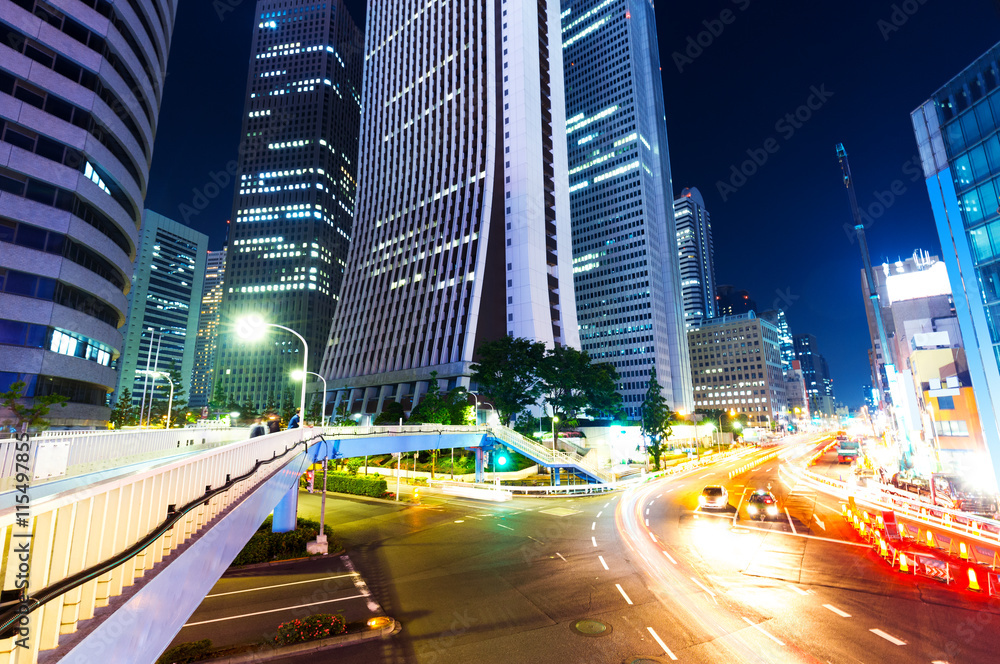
x=80, y=90
x=628, y=285
x=292, y=215
x=202, y=383
x=462, y=231
x=732, y=302
x=167, y=283
x=957, y=135
x=697, y=256
x=816, y=375
x=777, y=318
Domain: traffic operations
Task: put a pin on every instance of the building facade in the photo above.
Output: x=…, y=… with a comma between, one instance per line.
x=776, y=317
x=462, y=231
x=795, y=392
x=167, y=282
x=206, y=343
x=696, y=253
x=80, y=90
x=627, y=281
x=736, y=366
x=957, y=135
x=294, y=203
x=816, y=374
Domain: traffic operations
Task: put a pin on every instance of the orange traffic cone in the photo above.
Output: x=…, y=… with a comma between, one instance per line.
x=903, y=566
x=973, y=583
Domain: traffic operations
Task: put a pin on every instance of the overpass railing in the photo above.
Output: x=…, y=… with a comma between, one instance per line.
x=548, y=457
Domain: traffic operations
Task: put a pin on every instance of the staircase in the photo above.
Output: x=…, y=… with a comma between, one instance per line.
x=549, y=458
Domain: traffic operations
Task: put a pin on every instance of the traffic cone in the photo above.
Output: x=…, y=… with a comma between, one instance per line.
x=882, y=549
x=973, y=583
x=930, y=539
x=903, y=566
x=963, y=551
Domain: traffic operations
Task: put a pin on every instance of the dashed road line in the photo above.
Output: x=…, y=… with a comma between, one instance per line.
x=842, y=614
x=797, y=589
x=599, y=514
x=703, y=586
x=652, y=537
x=594, y=540
x=663, y=645
x=622, y=591
x=601, y=558
x=763, y=631
x=669, y=557
x=534, y=540
x=794, y=532
x=561, y=556
x=503, y=526
x=593, y=526
x=888, y=637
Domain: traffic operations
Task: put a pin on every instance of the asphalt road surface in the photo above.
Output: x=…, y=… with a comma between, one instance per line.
x=652, y=577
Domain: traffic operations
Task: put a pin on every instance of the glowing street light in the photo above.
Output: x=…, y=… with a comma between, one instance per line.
x=252, y=328
x=298, y=374
x=555, y=420
x=170, y=402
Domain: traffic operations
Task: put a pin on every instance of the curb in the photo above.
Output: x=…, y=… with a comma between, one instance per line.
x=309, y=647
x=274, y=563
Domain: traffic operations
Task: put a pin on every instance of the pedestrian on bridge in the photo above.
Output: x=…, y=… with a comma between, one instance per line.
x=293, y=423
x=257, y=429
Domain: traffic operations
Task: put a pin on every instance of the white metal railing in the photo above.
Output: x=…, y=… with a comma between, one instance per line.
x=550, y=457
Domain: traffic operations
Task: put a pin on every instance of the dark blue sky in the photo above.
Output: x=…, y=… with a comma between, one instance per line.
x=866, y=64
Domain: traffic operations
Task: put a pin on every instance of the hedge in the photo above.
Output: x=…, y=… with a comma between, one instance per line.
x=184, y=653
x=358, y=485
x=265, y=546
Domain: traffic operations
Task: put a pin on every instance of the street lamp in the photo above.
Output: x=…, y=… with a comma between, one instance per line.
x=298, y=374
x=170, y=402
x=555, y=419
x=252, y=327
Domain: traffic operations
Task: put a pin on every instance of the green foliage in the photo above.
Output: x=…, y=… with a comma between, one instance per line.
x=353, y=465
x=123, y=413
x=271, y=405
x=460, y=410
x=184, y=653
x=657, y=420
x=313, y=412
x=265, y=546
x=527, y=424
x=392, y=412
x=433, y=408
x=373, y=486
x=25, y=416
x=219, y=401
x=573, y=384
x=287, y=406
x=248, y=412
x=507, y=373
x=341, y=418
x=317, y=626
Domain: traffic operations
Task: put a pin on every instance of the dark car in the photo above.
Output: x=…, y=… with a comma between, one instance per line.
x=762, y=505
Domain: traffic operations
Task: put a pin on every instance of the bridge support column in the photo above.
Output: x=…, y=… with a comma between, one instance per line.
x=286, y=511
x=555, y=477
x=479, y=464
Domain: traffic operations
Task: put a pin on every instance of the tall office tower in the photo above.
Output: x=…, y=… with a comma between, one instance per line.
x=628, y=284
x=957, y=134
x=294, y=202
x=164, y=303
x=777, y=318
x=697, y=256
x=732, y=302
x=462, y=231
x=80, y=89
x=208, y=330
x=816, y=374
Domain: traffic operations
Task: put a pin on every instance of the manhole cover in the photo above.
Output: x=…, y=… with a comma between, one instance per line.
x=589, y=627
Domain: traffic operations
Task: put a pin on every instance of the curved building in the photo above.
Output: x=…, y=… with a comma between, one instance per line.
x=696, y=253
x=80, y=88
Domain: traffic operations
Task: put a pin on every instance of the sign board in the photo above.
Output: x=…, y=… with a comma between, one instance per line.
x=891, y=527
x=932, y=568
x=51, y=459
x=994, y=583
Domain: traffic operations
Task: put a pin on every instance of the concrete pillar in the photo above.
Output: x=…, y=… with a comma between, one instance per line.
x=480, y=454
x=419, y=391
x=384, y=393
x=555, y=477
x=286, y=511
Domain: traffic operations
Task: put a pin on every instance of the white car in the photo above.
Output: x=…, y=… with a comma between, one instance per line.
x=714, y=497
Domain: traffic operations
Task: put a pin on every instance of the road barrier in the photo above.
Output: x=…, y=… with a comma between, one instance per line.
x=753, y=464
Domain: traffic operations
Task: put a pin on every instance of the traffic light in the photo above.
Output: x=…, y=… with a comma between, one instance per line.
x=501, y=458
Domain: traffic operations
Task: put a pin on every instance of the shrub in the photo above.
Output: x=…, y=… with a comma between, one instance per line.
x=184, y=653
x=265, y=546
x=319, y=626
x=358, y=485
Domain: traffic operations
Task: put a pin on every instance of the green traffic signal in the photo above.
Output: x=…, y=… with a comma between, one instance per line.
x=501, y=459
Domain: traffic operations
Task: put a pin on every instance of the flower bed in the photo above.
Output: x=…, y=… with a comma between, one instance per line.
x=319, y=626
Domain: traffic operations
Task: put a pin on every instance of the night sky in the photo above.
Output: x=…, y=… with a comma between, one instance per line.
x=866, y=64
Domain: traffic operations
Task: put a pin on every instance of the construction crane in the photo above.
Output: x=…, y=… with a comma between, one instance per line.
x=859, y=230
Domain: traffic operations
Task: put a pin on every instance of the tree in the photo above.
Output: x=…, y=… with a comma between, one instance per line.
x=657, y=420
x=123, y=413
x=392, y=413
x=218, y=403
x=313, y=412
x=24, y=416
x=460, y=410
x=341, y=418
x=432, y=408
x=271, y=405
x=287, y=406
x=507, y=373
x=248, y=412
x=573, y=384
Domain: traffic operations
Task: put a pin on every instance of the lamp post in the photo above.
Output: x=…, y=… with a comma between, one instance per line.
x=252, y=327
x=170, y=401
x=555, y=419
x=475, y=397
x=298, y=374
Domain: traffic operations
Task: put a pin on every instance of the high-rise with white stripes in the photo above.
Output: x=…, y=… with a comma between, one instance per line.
x=628, y=287
x=696, y=253
x=294, y=201
x=462, y=231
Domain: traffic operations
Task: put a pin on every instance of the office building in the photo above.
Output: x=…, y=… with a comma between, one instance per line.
x=956, y=132
x=816, y=374
x=167, y=283
x=294, y=203
x=736, y=366
x=208, y=330
x=696, y=253
x=462, y=231
x=628, y=284
x=80, y=90
x=795, y=392
x=729, y=301
x=776, y=317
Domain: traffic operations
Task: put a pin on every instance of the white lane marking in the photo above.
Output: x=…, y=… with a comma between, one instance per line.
x=704, y=476
x=647, y=523
x=651, y=502
x=652, y=537
x=842, y=614
x=601, y=558
x=820, y=523
x=702, y=586
x=259, y=613
x=790, y=522
x=888, y=637
x=606, y=504
x=599, y=514
x=767, y=470
x=669, y=490
x=669, y=557
x=763, y=631
x=503, y=526
x=622, y=591
x=647, y=510
x=532, y=538
x=658, y=495
x=813, y=537
x=594, y=540
x=662, y=644
x=593, y=526
x=797, y=589
x=280, y=585
x=561, y=556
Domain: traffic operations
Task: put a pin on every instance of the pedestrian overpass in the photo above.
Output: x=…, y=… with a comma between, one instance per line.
x=112, y=539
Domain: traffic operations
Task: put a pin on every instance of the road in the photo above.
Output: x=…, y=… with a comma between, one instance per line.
x=502, y=583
